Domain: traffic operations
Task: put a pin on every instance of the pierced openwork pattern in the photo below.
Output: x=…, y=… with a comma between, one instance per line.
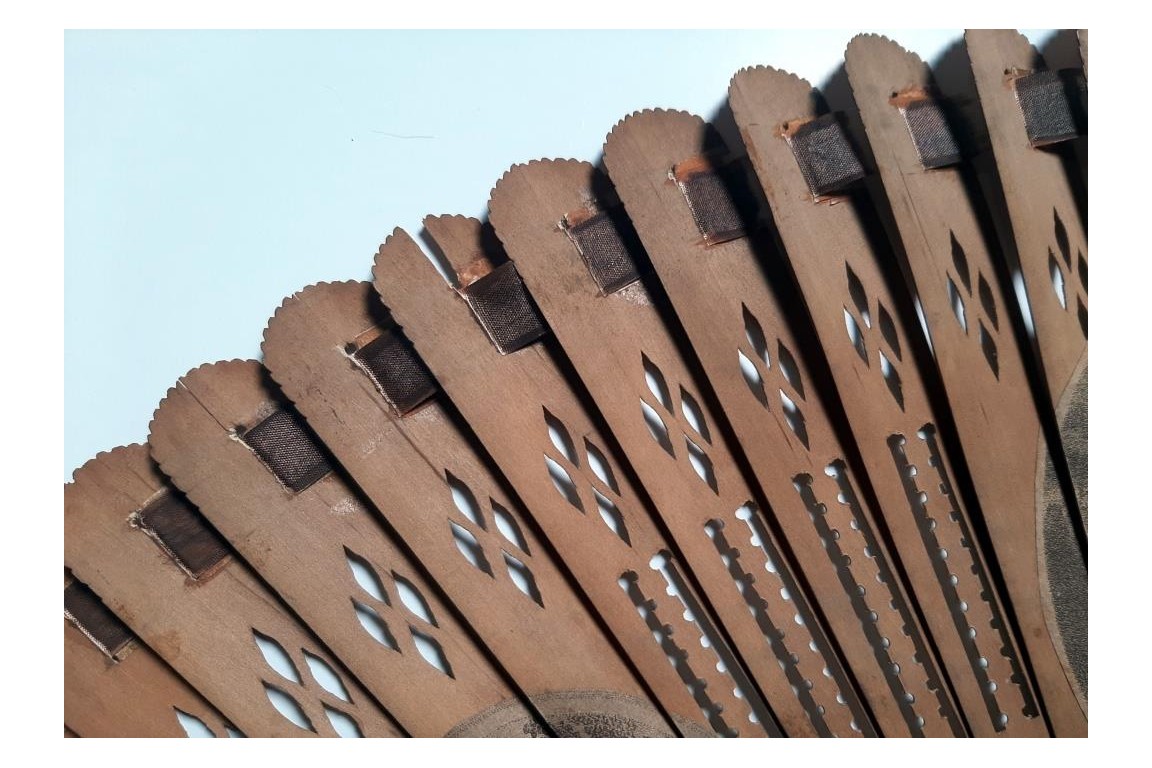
x=962, y=576
x=975, y=310
x=880, y=335
x=770, y=592
x=762, y=375
x=659, y=410
x=1069, y=277
x=475, y=538
x=375, y=605
x=674, y=619
x=322, y=688
x=195, y=728
x=597, y=481
x=867, y=579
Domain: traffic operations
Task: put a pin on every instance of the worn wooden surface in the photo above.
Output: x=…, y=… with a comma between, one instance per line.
x=728, y=307
x=1052, y=245
x=533, y=391
x=577, y=485
x=304, y=544
x=884, y=396
x=203, y=629
x=553, y=649
x=966, y=308
x=135, y=695
x=1051, y=239
x=735, y=493
x=625, y=355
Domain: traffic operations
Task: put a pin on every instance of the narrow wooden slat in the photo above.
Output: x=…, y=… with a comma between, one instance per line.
x=574, y=483
x=422, y=472
x=1050, y=239
x=966, y=307
x=869, y=346
x=626, y=357
x=203, y=628
x=134, y=695
x=325, y=554
x=728, y=308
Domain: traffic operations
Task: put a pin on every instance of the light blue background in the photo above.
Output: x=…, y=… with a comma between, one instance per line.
x=210, y=174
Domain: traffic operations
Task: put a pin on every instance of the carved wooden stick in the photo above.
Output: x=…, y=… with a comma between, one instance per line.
x=158, y=565
x=329, y=351
x=116, y=687
x=323, y=550
x=870, y=349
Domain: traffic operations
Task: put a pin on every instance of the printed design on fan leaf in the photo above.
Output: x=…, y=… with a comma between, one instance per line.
x=659, y=410
x=287, y=687
x=761, y=373
x=867, y=579
x=879, y=333
x=374, y=605
x=195, y=728
x=771, y=595
x=474, y=538
x=565, y=466
x=962, y=576
x=688, y=617
x=1069, y=279
x=981, y=317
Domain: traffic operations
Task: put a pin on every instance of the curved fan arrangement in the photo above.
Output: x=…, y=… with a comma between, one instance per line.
x=740, y=432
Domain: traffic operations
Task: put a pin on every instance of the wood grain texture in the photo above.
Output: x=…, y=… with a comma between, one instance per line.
x=405, y=467
x=304, y=545
x=870, y=351
x=621, y=348
x=1051, y=242
x=515, y=430
x=203, y=629
x=965, y=307
x=728, y=309
x=1050, y=239
x=135, y=695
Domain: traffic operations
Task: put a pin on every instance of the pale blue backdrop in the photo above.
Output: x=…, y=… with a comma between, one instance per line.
x=210, y=174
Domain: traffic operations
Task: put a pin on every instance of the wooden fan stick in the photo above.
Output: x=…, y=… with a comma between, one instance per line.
x=157, y=564
x=965, y=306
x=116, y=687
x=532, y=422
x=798, y=156
x=322, y=550
x=631, y=365
x=1050, y=238
x=739, y=330
x=329, y=351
